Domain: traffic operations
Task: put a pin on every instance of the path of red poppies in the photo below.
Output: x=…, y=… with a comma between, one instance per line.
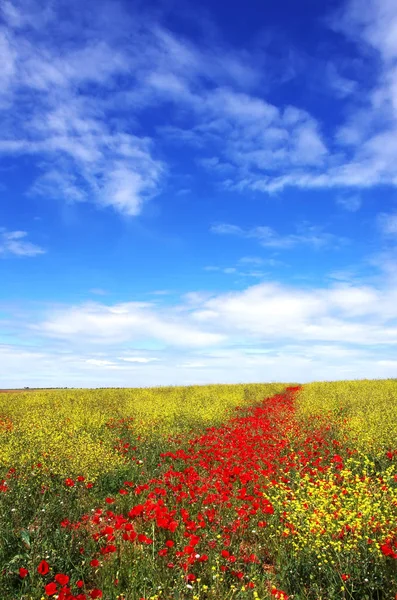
x=210, y=494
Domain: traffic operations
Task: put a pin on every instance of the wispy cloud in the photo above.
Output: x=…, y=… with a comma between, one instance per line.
x=99, y=362
x=245, y=266
x=15, y=243
x=288, y=148
x=370, y=131
x=388, y=223
x=306, y=235
x=59, y=92
x=351, y=203
x=253, y=260
x=236, y=271
x=138, y=359
x=342, y=86
x=78, y=108
x=373, y=23
x=248, y=154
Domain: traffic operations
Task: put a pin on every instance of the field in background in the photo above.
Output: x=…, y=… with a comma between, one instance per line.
x=76, y=432
x=229, y=491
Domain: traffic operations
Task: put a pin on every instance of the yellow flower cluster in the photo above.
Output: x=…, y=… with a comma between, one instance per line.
x=337, y=513
x=364, y=411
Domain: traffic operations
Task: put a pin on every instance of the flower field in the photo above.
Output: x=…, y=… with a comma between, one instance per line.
x=258, y=491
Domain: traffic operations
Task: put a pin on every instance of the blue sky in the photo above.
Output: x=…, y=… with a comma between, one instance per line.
x=197, y=193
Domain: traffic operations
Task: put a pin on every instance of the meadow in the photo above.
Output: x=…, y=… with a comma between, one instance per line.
x=256, y=491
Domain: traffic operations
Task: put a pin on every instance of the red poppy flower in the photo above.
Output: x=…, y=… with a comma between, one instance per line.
x=108, y=549
x=23, y=572
x=279, y=594
x=51, y=589
x=96, y=593
x=43, y=567
x=388, y=550
x=80, y=583
x=94, y=562
x=65, y=523
x=61, y=578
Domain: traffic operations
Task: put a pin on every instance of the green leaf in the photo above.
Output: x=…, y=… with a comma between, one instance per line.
x=25, y=538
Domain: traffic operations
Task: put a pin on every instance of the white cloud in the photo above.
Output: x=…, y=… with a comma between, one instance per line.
x=14, y=243
x=230, y=270
x=349, y=203
x=388, y=223
x=343, y=87
x=345, y=275
x=245, y=261
x=99, y=363
x=236, y=271
x=386, y=262
x=264, y=313
x=228, y=229
x=267, y=237
x=125, y=190
x=375, y=22
x=7, y=57
x=137, y=359
x=268, y=311
x=252, y=260
x=131, y=321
